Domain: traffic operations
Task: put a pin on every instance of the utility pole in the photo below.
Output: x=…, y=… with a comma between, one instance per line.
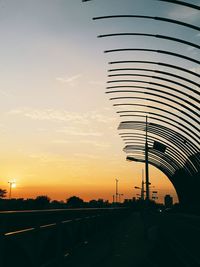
x=147, y=162
x=10, y=188
x=113, y=198
x=11, y=184
x=116, y=198
x=142, y=187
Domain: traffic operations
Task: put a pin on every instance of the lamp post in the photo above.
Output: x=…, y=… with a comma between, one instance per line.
x=113, y=199
x=147, y=162
x=12, y=184
x=116, y=198
x=142, y=190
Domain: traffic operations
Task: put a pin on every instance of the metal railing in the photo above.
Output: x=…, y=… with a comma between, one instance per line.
x=46, y=238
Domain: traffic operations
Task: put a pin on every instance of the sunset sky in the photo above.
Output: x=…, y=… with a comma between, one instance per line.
x=58, y=129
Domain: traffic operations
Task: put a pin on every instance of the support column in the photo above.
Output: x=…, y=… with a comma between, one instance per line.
x=147, y=162
x=116, y=198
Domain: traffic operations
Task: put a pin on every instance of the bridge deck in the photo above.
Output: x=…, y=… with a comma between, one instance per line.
x=101, y=237
x=124, y=245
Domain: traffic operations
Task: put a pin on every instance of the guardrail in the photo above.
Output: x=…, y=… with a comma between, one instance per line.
x=45, y=238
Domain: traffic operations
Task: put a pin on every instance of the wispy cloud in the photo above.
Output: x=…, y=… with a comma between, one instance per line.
x=97, y=83
x=46, y=158
x=85, y=155
x=76, y=132
x=71, y=81
x=96, y=144
x=4, y=93
x=50, y=115
x=63, y=116
x=60, y=142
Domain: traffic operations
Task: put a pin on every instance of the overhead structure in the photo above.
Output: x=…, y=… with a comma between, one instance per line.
x=153, y=70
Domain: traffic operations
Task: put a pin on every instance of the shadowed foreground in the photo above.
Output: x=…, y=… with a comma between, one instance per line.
x=142, y=240
x=100, y=237
x=125, y=245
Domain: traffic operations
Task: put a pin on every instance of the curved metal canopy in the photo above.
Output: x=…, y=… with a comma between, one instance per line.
x=162, y=79
x=175, y=142
x=163, y=103
x=162, y=110
x=153, y=51
x=186, y=131
x=181, y=3
x=168, y=20
x=159, y=36
x=154, y=88
x=170, y=1
x=157, y=71
x=170, y=98
x=156, y=63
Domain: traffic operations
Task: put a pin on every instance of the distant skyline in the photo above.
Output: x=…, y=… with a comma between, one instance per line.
x=58, y=130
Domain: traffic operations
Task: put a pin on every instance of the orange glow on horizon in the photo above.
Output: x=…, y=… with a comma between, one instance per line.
x=97, y=184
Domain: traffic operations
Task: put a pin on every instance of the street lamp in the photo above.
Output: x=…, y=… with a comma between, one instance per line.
x=146, y=160
x=142, y=190
x=130, y=158
x=113, y=199
x=12, y=185
x=117, y=194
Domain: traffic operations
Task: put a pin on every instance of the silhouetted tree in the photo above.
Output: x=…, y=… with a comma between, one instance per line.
x=55, y=204
x=74, y=202
x=3, y=193
x=100, y=203
x=42, y=202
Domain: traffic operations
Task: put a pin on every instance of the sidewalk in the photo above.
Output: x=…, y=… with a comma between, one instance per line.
x=125, y=246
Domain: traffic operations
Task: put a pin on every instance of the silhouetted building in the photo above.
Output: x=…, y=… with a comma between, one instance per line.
x=168, y=201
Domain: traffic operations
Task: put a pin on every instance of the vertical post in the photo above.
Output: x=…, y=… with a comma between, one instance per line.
x=116, y=198
x=147, y=162
x=142, y=187
x=11, y=183
x=113, y=198
x=10, y=188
